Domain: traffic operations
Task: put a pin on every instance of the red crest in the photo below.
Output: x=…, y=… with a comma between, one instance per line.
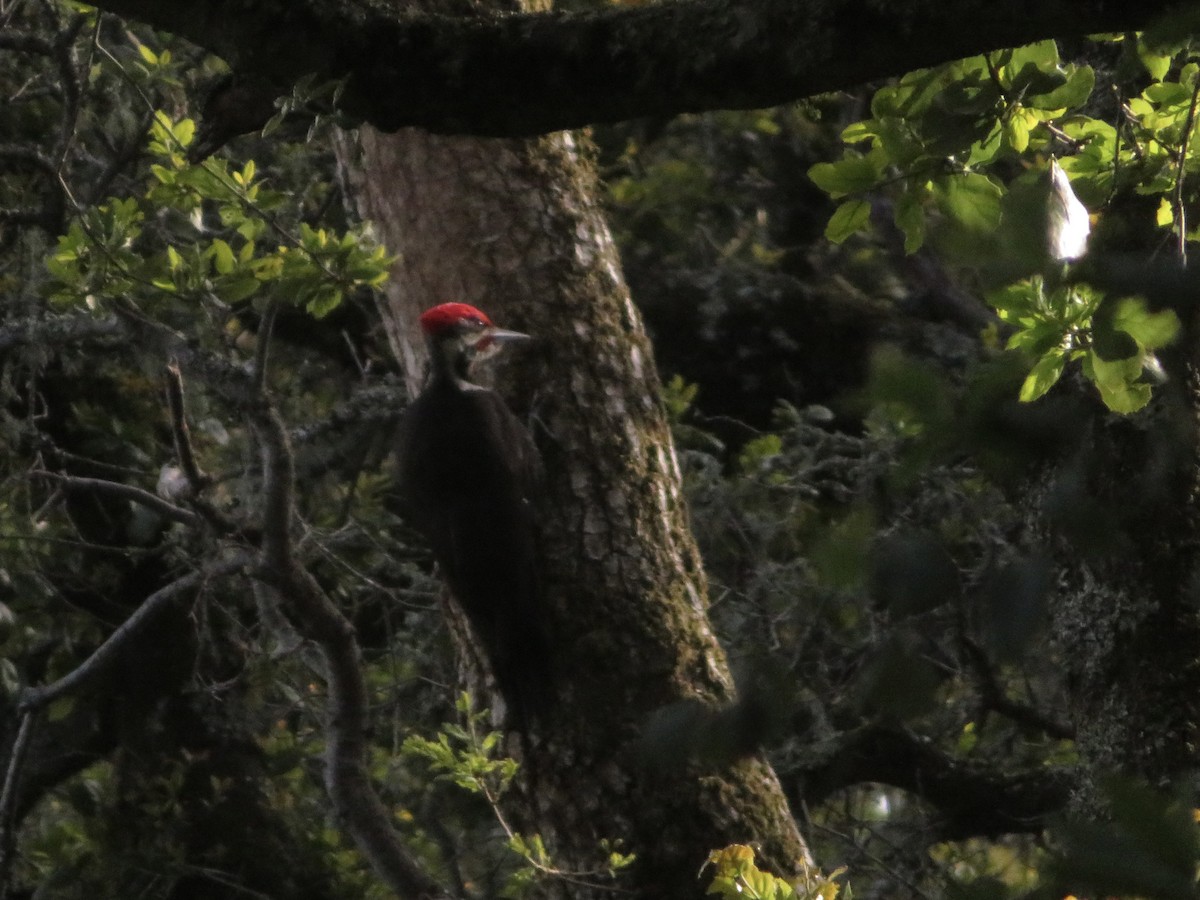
x=442, y=318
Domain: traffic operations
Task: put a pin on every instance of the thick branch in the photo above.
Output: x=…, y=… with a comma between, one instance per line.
x=57, y=331
x=524, y=74
x=127, y=492
x=971, y=800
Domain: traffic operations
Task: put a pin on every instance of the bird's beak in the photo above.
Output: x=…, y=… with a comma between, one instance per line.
x=492, y=341
x=500, y=336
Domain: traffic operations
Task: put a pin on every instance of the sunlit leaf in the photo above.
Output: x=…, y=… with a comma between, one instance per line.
x=849, y=218
x=1044, y=374
x=223, y=259
x=1118, y=382
x=909, y=216
x=1150, y=329
x=973, y=200
x=849, y=175
x=1074, y=92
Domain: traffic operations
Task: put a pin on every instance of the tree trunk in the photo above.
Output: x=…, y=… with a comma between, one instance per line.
x=1125, y=619
x=514, y=227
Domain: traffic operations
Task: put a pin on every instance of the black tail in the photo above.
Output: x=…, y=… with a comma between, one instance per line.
x=522, y=662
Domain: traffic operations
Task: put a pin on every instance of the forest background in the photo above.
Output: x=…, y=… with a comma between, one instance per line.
x=916, y=477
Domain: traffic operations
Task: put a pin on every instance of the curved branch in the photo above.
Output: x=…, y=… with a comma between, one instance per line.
x=8, y=799
x=108, y=653
x=347, y=778
x=522, y=74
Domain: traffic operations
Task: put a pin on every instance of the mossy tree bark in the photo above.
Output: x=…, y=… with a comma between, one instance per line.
x=1124, y=616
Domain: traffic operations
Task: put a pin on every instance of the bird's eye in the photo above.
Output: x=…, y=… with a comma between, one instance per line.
x=475, y=322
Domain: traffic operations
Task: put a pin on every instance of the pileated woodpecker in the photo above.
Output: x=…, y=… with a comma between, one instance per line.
x=469, y=471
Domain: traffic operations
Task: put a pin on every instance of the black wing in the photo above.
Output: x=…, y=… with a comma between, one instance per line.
x=469, y=474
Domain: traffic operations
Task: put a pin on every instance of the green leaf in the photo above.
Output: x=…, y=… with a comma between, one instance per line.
x=987, y=148
x=1016, y=131
x=859, y=131
x=758, y=451
x=323, y=302
x=60, y=709
x=1038, y=339
x=973, y=200
x=849, y=218
x=1169, y=93
x=236, y=288
x=222, y=256
x=252, y=229
x=1151, y=330
x=1164, y=216
x=184, y=131
x=849, y=175
x=1019, y=65
x=1099, y=139
x=909, y=216
x=147, y=54
x=273, y=124
x=1014, y=302
x=915, y=393
x=1117, y=381
x=1045, y=372
x=1074, y=92
x=1157, y=64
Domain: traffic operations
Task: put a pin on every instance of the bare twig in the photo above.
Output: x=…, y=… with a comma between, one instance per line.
x=70, y=80
x=104, y=656
x=263, y=346
x=179, y=430
x=127, y=492
x=1180, y=210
